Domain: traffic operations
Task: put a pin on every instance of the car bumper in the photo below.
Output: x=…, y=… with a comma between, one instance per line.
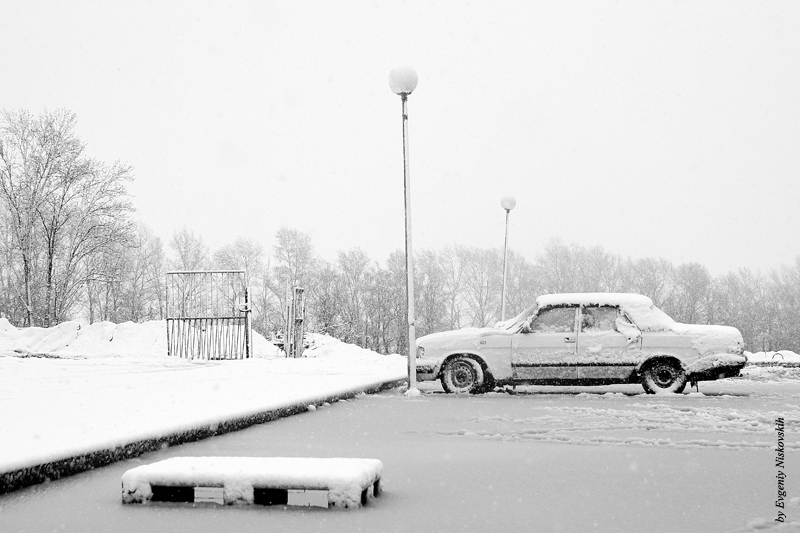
x=427, y=369
x=717, y=366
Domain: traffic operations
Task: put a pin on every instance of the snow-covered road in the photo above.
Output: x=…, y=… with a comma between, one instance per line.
x=732, y=414
x=543, y=459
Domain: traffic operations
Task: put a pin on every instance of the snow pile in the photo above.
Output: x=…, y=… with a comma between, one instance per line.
x=781, y=356
x=101, y=339
x=37, y=340
x=6, y=327
x=344, y=479
x=327, y=346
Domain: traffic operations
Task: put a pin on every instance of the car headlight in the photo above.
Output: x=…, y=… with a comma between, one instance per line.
x=420, y=352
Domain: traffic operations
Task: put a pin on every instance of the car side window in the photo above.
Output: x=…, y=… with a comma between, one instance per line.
x=599, y=318
x=554, y=320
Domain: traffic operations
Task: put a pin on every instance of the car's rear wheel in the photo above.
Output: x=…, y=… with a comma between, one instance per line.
x=663, y=376
x=463, y=374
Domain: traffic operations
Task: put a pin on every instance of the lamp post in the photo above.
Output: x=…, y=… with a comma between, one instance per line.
x=508, y=203
x=402, y=81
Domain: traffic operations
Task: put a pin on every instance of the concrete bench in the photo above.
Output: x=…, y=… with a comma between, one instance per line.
x=319, y=482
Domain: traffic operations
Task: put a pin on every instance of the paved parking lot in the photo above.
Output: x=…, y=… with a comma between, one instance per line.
x=607, y=459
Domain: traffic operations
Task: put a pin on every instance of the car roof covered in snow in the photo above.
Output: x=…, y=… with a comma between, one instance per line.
x=640, y=308
x=595, y=298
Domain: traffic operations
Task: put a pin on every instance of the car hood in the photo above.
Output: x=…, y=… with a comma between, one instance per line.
x=459, y=338
x=708, y=339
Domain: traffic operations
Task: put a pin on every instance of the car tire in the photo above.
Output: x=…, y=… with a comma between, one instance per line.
x=663, y=376
x=463, y=374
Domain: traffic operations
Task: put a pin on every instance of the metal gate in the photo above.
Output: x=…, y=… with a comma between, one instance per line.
x=208, y=314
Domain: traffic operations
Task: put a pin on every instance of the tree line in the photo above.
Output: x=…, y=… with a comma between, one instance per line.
x=69, y=248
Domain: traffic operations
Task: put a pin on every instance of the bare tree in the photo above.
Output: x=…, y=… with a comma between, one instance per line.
x=522, y=285
x=246, y=254
x=243, y=253
x=354, y=269
x=482, y=270
x=692, y=294
x=429, y=294
x=651, y=277
x=294, y=258
x=267, y=311
x=786, y=297
x=126, y=283
x=452, y=270
x=601, y=271
x=557, y=268
x=190, y=251
x=12, y=299
x=64, y=207
x=323, y=301
x=381, y=300
x=396, y=279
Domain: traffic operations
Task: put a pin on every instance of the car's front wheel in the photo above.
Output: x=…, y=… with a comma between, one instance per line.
x=663, y=376
x=463, y=374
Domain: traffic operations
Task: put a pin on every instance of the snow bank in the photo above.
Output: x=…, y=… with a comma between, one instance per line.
x=344, y=479
x=327, y=346
x=781, y=356
x=7, y=327
x=37, y=340
x=101, y=339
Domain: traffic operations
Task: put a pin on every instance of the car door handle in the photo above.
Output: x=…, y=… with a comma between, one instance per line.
x=569, y=339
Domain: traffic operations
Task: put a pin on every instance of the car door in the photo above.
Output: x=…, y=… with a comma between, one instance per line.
x=603, y=350
x=546, y=348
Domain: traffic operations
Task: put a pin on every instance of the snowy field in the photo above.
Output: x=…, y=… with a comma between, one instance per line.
x=535, y=458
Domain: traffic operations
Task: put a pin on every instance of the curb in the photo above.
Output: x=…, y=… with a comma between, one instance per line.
x=33, y=475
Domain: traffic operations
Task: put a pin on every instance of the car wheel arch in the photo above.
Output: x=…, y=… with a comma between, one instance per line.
x=657, y=358
x=665, y=373
x=487, y=372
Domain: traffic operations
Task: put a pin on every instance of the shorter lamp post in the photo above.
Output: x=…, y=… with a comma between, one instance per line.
x=403, y=81
x=508, y=203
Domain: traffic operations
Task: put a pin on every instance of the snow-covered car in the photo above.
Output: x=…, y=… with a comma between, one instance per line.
x=587, y=339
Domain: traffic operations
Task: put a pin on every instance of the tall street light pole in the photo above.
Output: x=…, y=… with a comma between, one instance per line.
x=403, y=81
x=508, y=203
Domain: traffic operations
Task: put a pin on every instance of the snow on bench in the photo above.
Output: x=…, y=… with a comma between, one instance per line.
x=319, y=482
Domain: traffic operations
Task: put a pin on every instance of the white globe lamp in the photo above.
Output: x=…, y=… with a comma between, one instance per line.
x=403, y=80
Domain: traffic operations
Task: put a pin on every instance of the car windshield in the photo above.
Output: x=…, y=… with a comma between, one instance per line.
x=518, y=320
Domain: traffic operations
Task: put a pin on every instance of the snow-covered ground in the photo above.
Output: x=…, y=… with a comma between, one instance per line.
x=106, y=386
x=602, y=459
x=546, y=458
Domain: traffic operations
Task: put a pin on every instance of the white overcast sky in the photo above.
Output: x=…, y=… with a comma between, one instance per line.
x=666, y=129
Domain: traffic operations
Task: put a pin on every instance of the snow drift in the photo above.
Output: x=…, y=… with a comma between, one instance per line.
x=101, y=339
